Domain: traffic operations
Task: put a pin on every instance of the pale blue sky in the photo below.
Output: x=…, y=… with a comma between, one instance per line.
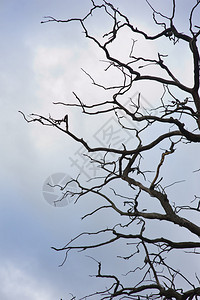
x=40, y=63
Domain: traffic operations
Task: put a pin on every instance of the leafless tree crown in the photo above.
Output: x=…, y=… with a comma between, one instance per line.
x=139, y=191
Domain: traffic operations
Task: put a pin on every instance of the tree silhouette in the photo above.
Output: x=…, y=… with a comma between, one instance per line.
x=156, y=220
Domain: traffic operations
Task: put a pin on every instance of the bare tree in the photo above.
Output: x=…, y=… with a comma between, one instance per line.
x=139, y=191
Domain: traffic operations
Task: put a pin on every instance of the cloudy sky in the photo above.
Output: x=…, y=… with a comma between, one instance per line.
x=41, y=63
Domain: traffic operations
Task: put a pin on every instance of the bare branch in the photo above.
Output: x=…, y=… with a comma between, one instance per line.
x=131, y=171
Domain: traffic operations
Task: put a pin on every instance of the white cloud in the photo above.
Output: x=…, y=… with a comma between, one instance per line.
x=17, y=283
x=52, y=71
x=37, y=75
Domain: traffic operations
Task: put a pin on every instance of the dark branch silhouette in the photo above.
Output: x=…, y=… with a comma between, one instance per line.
x=143, y=203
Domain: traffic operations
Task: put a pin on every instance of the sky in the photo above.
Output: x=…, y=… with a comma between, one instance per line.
x=41, y=64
